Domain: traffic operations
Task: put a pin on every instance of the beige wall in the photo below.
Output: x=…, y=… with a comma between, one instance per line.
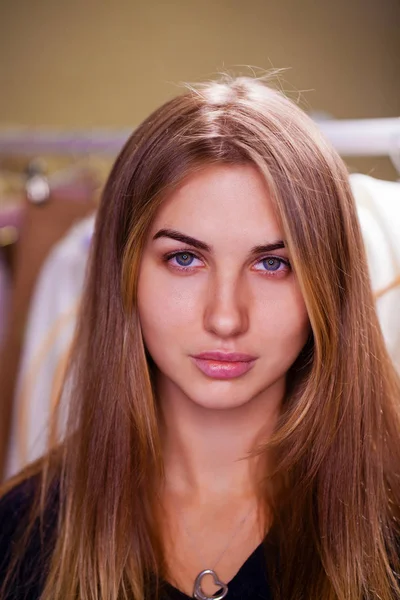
x=109, y=63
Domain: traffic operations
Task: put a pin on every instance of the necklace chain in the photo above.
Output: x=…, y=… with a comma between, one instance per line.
x=226, y=547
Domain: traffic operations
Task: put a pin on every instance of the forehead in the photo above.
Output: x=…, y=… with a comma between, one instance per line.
x=221, y=200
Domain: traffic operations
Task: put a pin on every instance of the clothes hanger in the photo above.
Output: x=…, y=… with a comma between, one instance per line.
x=77, y=181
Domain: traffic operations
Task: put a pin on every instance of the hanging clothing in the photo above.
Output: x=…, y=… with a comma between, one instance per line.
x=48, y=335
x=378, y=207
x=41, y=227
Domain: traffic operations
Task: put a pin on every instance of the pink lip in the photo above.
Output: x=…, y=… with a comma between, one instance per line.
x=219, y=365
x=226, y=356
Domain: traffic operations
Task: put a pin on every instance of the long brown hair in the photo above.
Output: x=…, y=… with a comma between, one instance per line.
x=336, y=447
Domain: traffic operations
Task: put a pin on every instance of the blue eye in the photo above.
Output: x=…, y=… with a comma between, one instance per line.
x=184, y=259
x=272, y=263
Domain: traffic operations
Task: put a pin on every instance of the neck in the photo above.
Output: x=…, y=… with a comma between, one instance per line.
x=205, y=450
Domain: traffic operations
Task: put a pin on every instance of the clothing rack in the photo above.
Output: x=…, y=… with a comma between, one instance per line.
x=363, y=137
x=20, y=141
x=357, y=137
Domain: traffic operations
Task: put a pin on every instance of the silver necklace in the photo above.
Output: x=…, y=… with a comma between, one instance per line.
x=197, y=590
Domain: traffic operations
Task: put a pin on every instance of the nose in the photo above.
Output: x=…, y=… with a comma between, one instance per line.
x=226, y=312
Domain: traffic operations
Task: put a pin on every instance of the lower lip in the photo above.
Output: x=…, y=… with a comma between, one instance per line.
x=223, y=370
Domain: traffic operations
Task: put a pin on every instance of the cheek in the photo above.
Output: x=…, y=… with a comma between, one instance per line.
x=165, y=307
x=283, y=321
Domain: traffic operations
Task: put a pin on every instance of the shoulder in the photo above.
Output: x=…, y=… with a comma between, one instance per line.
x=15, y=506
x=19, y=495
x=26, y=556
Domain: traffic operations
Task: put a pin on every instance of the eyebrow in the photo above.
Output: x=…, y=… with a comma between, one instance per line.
x=191, y=241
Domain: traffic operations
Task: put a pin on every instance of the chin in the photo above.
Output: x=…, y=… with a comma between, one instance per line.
x=220, y=404
x=219, y=399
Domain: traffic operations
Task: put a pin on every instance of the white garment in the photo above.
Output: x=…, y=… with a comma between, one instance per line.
x=378, y=207
x=48, y=335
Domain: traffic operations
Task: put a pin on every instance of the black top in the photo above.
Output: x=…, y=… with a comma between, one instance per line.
x=249, y=583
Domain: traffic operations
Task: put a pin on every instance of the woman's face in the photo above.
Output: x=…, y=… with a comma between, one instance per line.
x=220, y=291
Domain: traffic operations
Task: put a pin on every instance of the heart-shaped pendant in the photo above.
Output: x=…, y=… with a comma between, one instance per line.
x=198, y=592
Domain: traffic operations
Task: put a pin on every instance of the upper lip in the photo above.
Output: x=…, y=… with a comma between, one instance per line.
x=226, y=356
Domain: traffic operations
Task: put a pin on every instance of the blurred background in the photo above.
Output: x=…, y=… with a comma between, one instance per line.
x=76, y=77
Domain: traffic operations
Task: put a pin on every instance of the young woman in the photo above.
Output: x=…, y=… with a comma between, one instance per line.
x=233, y=423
